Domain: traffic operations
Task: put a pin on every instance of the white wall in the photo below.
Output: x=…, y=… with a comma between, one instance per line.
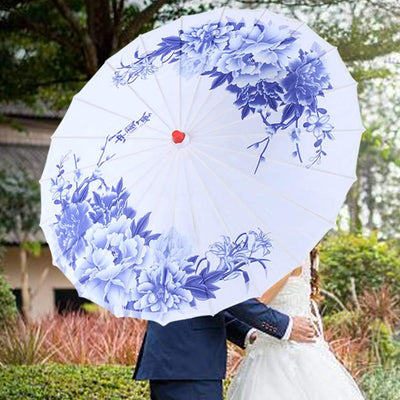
x=43, y=303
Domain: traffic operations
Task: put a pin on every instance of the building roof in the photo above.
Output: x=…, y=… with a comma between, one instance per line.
x=40, y=110
x=24, y=143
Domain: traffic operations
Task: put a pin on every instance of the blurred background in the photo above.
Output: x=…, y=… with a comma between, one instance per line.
x=54, y=343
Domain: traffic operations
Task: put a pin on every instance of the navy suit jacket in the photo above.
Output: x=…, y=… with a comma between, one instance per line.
x=195, y=349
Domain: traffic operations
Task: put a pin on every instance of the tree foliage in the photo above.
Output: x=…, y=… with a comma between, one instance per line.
x=8, y=307
x=19, y=205
x=60, y=44
x=369, y=261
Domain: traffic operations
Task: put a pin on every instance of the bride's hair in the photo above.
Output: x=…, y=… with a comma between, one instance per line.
x=315, y=278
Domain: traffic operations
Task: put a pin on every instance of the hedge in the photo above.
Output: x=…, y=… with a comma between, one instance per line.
x=77, y=382
x=56, y=381
x=60, y=381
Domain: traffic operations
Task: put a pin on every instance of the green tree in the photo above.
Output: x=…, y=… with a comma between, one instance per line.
x=19, y=220
x=50, y=48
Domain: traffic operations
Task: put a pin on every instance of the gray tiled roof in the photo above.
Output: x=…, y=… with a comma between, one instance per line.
x=26, y=150
x=24, y=157
x=40, y=110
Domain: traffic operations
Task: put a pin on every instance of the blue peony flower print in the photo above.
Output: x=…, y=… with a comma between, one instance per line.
x=262, y=64
x=70, y=229
x=112, y=261
x=256, y=98
x=307, y=79
x=202, y=47
x=257, y=52
x=161, y=287
x=121, y=264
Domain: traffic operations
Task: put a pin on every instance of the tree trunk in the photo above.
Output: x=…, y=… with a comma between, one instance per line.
x=25, y=292
x=370, y=182
x=355, y=225
x=100, y=28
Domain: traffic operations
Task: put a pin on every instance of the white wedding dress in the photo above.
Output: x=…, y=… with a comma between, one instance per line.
x=283, y=370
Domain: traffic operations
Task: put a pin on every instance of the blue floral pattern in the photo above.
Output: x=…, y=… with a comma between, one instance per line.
x=262, y=65
x=119, y=262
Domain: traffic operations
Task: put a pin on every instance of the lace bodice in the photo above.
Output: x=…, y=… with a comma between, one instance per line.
x=294, y=300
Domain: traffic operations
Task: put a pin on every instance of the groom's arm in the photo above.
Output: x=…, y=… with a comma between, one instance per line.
x=263, y=318
x=236, y=331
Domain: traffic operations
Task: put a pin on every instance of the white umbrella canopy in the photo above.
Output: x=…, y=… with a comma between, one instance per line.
x=200, y=164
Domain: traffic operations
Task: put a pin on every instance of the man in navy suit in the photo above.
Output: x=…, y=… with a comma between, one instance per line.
x=186, y=360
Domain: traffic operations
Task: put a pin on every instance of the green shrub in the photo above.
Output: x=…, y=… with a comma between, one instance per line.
x=54, y=381
x=371, y=262
x=57, y=381
x=8, y=305
x=382, y=384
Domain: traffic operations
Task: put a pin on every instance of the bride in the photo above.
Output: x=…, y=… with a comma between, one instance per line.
x=283, y=370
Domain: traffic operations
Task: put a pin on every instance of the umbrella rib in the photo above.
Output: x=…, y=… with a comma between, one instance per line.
x=142, y=138
x=192, y=121
x=140, y=98
x=112, y=112
x=240, y=133
x=180, y=81
x=219, y=216
x=211, y=201
x=134, y=136
x=151, y=181
x=241, y=122
x=244, y=205
x=155, y=160
x=194, y=225
x=268, y=188
x=216, y=129
x=338, y=88
x=108, y=162
x=159, y=86
x=176, y=161
x=101, y=108
x=319, y=57
x=122, y=174
x=198, y=79
x=276, y=160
